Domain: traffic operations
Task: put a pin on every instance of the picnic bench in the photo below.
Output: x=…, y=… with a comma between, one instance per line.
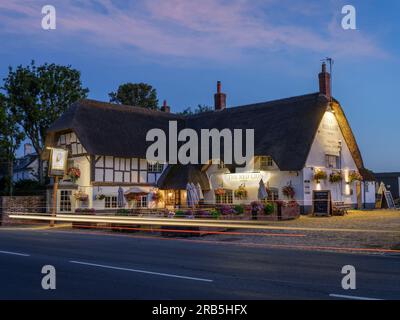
x=340, y=208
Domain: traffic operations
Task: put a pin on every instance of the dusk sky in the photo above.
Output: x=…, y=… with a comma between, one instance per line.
x=260, y=49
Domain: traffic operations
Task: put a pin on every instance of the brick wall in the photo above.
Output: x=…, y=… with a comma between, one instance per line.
x=25, y=204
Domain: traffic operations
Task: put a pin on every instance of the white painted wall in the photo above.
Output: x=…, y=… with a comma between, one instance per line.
x=328, y=140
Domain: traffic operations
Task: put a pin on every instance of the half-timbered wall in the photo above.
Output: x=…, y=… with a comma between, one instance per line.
x=71, y=142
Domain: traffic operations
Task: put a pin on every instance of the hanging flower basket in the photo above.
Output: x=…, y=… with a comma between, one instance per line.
x=335, y=177
x=354, y=176
x=288, y=191
x=81, y=196
x=157, y=196
x=74, y=174
x=241, y=192
x=100, y=196
x=320, y=175
x=220, y=191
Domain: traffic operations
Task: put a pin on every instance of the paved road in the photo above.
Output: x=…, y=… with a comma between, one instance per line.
x=92, y=266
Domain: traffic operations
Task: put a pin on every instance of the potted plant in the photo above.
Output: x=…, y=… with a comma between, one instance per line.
x=320, y=175
x=157, y=196
x=288, y=191
x=100, y=196
x=74, y=174
x=269, y=208
x=354, y=176
x=241, y=192
x=289, y=210
x=81, y=196
x=335, y=177
x=219, y=191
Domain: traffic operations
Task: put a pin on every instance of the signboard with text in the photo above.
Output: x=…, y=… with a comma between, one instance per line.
x=58, y=162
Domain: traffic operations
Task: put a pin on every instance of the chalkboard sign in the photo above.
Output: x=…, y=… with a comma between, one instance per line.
x=322, y=202
x=389, y=200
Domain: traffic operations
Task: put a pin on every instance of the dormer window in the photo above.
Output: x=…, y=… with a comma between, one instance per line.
x=266, y=163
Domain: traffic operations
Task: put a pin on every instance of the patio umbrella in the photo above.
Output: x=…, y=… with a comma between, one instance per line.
x=199, y=191
x=196, y=195
x=190, y=196
x=120, y=198
x=262, y=192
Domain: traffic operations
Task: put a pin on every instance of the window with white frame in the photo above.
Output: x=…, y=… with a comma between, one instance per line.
x=332, y=161
x=153, y=167
x=226, y=198
x=141, y=202
x=266, y=163
x=65, y=201
x=110, y=202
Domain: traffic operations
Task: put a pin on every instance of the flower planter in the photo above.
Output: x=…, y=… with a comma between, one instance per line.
x=290, y=213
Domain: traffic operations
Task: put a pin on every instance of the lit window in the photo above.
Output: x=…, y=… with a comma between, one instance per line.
x=110, y=202
x=266, y=163
x=141, y=202
x=226, y=198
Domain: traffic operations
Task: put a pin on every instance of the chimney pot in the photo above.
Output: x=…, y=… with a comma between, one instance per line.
x=165, y=107
x=325, y=82
x=219, y=98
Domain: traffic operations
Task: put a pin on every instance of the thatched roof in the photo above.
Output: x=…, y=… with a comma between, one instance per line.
x=177, y=176
x=284, y=129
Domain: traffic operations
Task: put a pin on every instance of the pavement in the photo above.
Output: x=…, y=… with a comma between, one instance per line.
x=105, y=266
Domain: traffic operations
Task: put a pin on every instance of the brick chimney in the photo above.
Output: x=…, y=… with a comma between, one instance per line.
x=219, y=98
x=325, y=82
x=165, y=107
x=27, y=149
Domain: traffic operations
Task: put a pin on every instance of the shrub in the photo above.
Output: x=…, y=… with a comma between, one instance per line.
x=239, y=209
x=179, y=214
x=215, y=214
x=269, y=208
x=123, y=212
x=85, y=210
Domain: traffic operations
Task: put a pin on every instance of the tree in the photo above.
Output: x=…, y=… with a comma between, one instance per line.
x=199, y=109
x=39, y=95
x=11, y=137
x=135, y=94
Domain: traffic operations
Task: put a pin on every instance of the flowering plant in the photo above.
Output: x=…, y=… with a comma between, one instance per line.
x=100, y=196
x=157, y=196
x=288, y=191
x=335, y=177
x=74, y=174
x=241, y=192
x=320, y=175
x=80, y=195
x=257, y=206
x=225, y=209
x=354, y=176
x=220, y=191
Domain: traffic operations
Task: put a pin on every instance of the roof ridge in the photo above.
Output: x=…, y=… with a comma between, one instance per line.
x=123, y=107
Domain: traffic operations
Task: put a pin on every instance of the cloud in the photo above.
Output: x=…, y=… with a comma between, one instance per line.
x=207, y=29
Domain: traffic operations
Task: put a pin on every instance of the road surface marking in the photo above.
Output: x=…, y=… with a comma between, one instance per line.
x=15, y=253
x=141, y=271
x=351, y=297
